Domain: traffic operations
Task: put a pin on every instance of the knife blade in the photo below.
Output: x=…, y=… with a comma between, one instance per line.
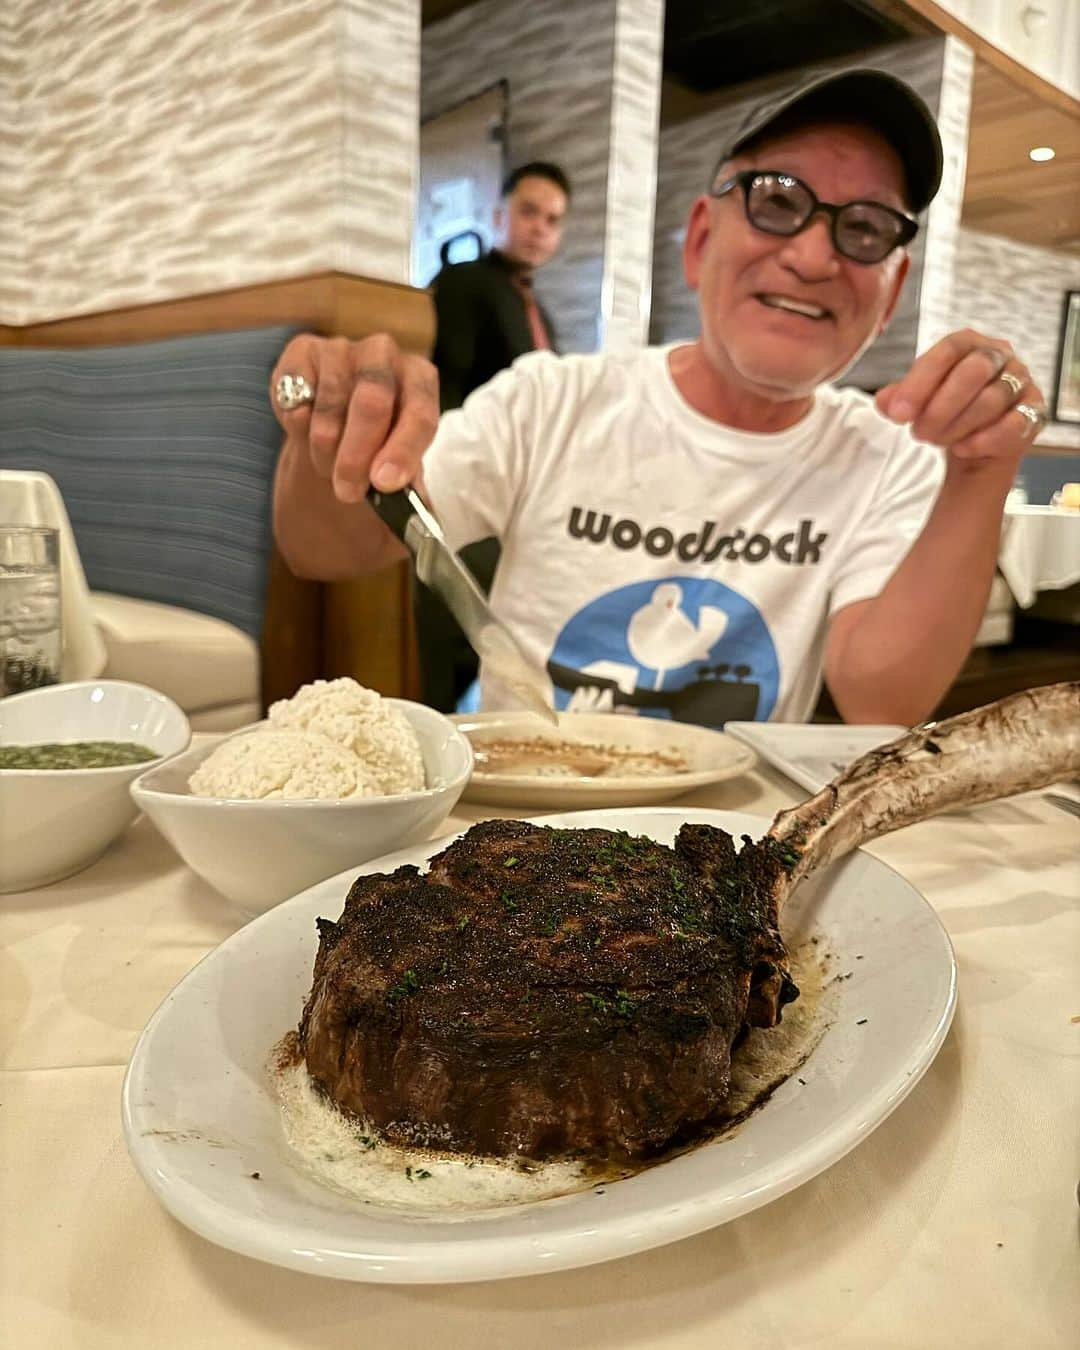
x=438, y=566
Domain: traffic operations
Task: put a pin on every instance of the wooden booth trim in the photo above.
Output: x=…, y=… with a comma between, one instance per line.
x=1016, y=71
x=325, y=302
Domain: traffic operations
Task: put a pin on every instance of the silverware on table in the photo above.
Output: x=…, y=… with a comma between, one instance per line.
x=1069, y=804
x=438, y=566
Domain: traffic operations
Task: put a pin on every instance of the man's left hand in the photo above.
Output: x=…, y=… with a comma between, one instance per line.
x=967, y=394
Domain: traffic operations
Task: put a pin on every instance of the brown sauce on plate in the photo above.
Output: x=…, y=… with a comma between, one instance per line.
x=552, y=758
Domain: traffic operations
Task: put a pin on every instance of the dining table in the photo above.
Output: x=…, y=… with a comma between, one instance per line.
x=953, y=1224
x=1039, y=550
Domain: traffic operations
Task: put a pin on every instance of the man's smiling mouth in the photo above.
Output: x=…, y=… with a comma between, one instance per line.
x=793, y=306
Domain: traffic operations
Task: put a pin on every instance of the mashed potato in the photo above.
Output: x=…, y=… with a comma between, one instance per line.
x=332, y=739
x=361, y=721
x=281, y=764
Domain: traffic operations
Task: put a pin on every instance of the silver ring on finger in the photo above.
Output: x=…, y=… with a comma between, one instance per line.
x=1012, y=382
x=293, y=391
x=1036, y=417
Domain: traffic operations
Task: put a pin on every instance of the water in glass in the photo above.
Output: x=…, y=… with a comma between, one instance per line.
x=30, y=638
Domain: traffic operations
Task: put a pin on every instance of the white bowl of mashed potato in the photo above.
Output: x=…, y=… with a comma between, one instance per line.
x=335, y=776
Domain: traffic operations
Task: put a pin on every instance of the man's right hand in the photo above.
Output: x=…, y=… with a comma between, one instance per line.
x=375, y=411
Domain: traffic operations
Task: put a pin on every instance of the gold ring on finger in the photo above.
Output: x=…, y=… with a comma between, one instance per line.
x=1035, y=416
x=1013, y=382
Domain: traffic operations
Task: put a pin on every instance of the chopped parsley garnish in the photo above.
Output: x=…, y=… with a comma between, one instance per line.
x=687, y=923
x=408, y=984
x=786, y=855
x=621, y=1005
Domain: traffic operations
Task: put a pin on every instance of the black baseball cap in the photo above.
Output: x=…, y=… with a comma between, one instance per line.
x=872, y=97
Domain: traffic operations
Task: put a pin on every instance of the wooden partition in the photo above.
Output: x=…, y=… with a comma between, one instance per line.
x=362, y=628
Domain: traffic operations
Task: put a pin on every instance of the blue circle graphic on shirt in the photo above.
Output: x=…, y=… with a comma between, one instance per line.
x=687, y=648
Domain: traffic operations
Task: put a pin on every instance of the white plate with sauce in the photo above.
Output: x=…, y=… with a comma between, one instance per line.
x=204, y=1127
x=594, y=759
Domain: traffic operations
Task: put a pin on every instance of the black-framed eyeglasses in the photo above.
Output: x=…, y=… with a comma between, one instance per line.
x=865, y=232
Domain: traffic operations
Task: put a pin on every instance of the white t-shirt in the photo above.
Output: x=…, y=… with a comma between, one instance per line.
x=655, y=561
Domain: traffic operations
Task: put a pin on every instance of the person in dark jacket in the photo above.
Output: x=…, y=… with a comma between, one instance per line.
x=487, y=315
x=486, y=312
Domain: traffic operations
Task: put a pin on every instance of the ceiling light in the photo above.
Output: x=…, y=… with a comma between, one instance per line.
x=1041, y=153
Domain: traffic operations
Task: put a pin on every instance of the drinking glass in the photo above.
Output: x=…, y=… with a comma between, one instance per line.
x=30, y=638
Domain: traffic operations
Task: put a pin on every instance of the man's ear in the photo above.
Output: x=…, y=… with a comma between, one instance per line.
x=498, y=218
x=897, y=287
x=698, y=229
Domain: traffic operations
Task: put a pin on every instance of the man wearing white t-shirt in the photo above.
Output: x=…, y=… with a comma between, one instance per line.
x=704, y=531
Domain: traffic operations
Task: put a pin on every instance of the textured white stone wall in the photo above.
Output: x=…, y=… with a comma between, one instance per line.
x=942, y=226
x=557, y=58
x=379, y=82
x=169, y=148
x=1017, y=292
x=971, y=280
x=11, y=232
x=631, y=185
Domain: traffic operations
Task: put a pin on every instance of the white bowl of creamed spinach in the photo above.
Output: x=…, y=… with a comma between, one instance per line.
x=68, y=754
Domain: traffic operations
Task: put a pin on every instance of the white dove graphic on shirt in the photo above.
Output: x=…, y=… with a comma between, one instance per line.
x=662, y=636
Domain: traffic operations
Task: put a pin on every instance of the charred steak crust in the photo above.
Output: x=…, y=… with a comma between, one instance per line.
x=542, y=992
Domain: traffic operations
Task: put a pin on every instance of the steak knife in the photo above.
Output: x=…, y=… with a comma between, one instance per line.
x=438, y=566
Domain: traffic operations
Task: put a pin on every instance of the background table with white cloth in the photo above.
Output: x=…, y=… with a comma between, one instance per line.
x=1039, y=551
x=953, y=1225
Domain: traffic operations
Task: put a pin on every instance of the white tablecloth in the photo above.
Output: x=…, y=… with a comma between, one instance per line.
x=952, y=1227
x=1040, y=550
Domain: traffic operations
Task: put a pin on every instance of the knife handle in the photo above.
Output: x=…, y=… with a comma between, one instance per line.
x=393, y=508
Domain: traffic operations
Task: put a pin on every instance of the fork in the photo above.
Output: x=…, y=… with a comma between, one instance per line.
x=1069, y=804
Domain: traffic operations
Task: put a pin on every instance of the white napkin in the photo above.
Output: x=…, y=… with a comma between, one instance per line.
x=34, y=499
